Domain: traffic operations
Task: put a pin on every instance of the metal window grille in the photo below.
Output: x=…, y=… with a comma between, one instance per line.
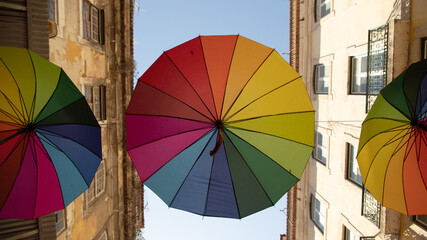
x=371, y=208
x=377, y=63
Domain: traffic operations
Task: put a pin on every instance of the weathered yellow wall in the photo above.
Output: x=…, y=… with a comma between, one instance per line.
x=85, y=62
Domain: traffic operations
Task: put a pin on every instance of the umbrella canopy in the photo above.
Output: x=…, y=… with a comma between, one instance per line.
x=50, y=142
x=392, y=153
x=220, y=126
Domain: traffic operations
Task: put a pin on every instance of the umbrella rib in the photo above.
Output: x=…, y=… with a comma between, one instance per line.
x=209, y=80
x=47, y=132
x=228, y=75
x=264, y=154
x=30, y=118
x=231, y=176
x=213, y=117
x=385, y=144
x=47, y=102
x=14, y=108
x=418, y=152
x=177, y=100
x=32, y=149
x=249, y=167
x=20, y=165
x=271, y=115
x=53, y=165
x=59, y=149
x=13, y=148
x=13, y=124
x=400, y=146
x=260, y=97
x=209, y=185
x=241, y=90
x=201, y=152
x=388, y=130
x=268, y=134
x=403, y=179
x=19, y=90
x=176, y=134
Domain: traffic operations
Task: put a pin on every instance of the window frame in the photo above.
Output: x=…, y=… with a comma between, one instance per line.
x=420, y=223
x=97, y=100
x=318, y=9
x=326, y=78
x=346, y=234
x=322, y=229
x=359, y=74
x=100, y=179
x=321, y=147
x=351, y=156
x=423, y=48
x=62, y=213
x=90, y=22
x=92, y=192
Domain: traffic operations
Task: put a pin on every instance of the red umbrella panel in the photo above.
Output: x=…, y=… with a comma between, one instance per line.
x=220, y=126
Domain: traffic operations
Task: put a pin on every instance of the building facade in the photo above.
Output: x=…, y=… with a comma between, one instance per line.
x=346, y=51
x=92, y=40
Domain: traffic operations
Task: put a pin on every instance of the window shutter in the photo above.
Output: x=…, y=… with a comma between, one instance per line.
x=13, y=24
x=101, y=27
x=38, y=27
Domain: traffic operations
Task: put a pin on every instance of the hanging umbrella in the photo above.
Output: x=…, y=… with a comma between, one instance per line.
x=50, y=145
x=220, y=126
x=392, y=151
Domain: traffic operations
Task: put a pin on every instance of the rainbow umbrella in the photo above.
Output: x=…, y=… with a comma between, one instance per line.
x=392, y=153
x=220, y=126
x=50, y=142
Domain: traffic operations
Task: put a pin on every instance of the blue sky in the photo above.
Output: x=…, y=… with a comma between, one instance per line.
x=163, y=24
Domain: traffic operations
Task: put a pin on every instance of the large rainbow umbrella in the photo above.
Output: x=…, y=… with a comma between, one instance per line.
x=50, y=142
x=220, y=126
x=392, y=153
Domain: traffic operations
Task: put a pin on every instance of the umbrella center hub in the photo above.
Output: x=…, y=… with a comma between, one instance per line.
x=219, y=124
x=29, y=128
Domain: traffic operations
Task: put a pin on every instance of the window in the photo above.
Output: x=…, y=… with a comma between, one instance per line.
x=318, y=213
x=93, y=22
x=421, y=220
x=320, y=148
x=60, y=221
x=95, y=97
x=322, y=9
x=353, y=172
x=100, y=179
x=424, y=48
x=348, y=235
x=358, y=74
x=321, y=79
x=97, y=186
